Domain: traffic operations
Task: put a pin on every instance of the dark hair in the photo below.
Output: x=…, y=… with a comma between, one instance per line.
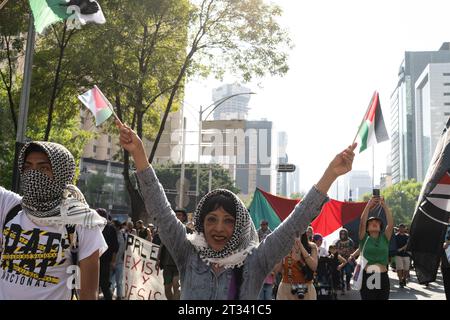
x=34, y=148
x=218, y=201
x=117, y=223
x=183, y=212
x=305, y=242
x=103, y=213
x=309, y=274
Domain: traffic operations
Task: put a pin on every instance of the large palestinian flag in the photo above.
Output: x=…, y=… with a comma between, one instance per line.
x=432, y=214
x=372, y=129
x=334, y=216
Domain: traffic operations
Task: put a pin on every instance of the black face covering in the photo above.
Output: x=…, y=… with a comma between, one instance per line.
x=42, y=195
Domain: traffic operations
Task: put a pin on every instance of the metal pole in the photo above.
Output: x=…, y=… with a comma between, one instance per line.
x=373, y=166
x=197, y=191
x=183, y=167
x=210, y=179
x=3, y=4
x=24, y=102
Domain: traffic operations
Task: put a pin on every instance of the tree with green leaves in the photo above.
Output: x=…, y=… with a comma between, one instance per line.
x=169, y=176
x=240, y=37
x=297, y=195
x=146, y=58
x=13, y=26
x=402, y=199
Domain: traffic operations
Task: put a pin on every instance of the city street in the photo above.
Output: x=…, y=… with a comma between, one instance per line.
x=413, y=290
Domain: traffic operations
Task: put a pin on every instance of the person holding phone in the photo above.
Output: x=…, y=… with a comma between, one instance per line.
x=374, y=246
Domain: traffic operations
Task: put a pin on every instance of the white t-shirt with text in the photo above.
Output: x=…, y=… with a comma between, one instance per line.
x=29, y=265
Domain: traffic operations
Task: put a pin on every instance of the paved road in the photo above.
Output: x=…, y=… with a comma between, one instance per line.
x=413, y=290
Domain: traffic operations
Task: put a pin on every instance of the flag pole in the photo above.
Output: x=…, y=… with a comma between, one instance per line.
x=364, y=117
x=373, y=167
x=24, y=102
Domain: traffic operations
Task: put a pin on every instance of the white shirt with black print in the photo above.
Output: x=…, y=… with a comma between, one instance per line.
x=29, y=266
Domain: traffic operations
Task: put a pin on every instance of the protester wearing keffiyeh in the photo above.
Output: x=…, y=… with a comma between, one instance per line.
x=55, y=201
x=242, y=242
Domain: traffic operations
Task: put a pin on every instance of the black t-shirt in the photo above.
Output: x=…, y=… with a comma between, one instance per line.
x=402, y=240
x=110, y=235
x=143, y=233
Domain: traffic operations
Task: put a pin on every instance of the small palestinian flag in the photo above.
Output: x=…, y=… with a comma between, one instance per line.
x=79, y=12
x=372, y=130
x=97, y=103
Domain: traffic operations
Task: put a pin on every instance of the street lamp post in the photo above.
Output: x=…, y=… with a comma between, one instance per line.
x=214, y=106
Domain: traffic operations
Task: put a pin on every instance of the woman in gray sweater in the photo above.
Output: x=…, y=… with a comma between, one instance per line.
x=223, y=259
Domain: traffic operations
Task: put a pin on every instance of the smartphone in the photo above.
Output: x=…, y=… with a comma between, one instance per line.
x=376, y=192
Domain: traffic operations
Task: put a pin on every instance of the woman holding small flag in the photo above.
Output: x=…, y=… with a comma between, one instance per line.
x=223, y=259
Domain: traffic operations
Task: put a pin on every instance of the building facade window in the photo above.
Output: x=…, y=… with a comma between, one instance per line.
x=94, y=149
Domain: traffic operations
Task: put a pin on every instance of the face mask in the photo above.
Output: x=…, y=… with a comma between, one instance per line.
x=40, y=192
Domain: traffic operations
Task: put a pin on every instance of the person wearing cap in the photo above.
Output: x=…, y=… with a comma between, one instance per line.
x=374, y=246
x=402, y=259
x=223, y=259
x=318, y=240
x=142, y=231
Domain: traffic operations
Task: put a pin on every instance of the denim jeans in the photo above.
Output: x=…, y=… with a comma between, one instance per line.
x=117, y=280
x=266, y=292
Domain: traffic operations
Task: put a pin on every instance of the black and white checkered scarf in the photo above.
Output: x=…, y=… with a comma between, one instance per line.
x=242, y=242
x=55, y=200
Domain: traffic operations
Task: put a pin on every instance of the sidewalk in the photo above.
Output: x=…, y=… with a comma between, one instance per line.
x=413, y=290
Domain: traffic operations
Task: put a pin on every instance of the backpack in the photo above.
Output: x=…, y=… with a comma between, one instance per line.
x=70, y=232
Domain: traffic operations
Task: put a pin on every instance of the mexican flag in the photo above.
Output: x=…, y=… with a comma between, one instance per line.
x=372, y=129
x=76, y=12
x=97, y=103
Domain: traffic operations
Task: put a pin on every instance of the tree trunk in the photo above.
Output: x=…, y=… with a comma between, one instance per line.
x=138, y=211
x=169, y=104
x=55, y=85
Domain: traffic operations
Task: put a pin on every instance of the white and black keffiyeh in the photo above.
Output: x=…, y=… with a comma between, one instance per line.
x=242, y=242
x=55, y=200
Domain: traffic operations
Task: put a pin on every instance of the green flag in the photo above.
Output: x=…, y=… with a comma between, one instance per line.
x=80, y=12
x=47, y=12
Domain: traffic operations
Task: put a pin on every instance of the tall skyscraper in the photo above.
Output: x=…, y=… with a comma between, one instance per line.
x=235, y=108
x=244, y=148
x=432, y=112
x=403, y=111
x=356, y=184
